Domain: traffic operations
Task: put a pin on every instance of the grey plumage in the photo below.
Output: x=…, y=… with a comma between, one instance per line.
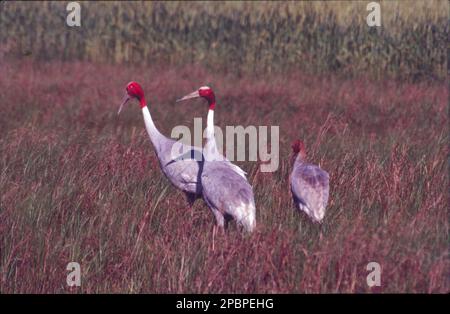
x=181, y=164
x=310, y=188
x=227, y=193
x=225, y=186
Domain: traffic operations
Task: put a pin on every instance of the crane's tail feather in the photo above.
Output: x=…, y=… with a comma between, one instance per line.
x=245, y=215
x=316, y=214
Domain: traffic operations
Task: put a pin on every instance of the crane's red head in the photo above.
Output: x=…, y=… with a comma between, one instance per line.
x=204, y=92
x=133, y=90
x=298, y=147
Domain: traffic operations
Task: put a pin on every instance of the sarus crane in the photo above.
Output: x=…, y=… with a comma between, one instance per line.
x=225, y=187
x=180, y=163
x=309, y=184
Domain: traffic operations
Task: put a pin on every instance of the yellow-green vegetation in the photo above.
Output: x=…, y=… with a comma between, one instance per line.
x=261, y=37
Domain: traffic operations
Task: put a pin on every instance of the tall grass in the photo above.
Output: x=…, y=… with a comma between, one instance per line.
x=80, y=184
x=238, y=37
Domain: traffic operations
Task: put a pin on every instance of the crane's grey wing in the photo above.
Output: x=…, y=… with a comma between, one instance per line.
x=182, y=165
x=228, y=192
x=227, y=188
x=226, y=162
x=310, y=188
x=173, y=151
x=236, y=169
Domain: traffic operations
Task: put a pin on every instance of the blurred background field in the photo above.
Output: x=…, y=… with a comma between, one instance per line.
x=79, y=183
x=251, y=37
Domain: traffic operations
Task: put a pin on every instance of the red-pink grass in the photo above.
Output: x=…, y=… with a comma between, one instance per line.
x=79, y=183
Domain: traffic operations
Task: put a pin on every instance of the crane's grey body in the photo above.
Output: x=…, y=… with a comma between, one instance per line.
x=227, y=193
x=180, y=163
x=310, y=188
x=225, y=186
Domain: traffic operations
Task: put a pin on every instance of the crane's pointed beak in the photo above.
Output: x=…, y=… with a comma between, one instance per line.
x=124, y=101
x=189, y=96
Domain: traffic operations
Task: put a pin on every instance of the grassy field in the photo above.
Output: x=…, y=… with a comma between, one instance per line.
x=79, y=183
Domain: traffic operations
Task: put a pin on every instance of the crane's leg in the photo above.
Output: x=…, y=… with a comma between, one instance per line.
x=220, y=223
x=220, y=219
x=191, y=198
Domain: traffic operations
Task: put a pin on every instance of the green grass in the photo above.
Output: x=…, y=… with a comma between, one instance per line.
x=241, y=38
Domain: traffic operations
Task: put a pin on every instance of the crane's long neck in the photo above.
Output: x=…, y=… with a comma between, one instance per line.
x=295, y=158
x=152, y=131
x=298, y=158
x=210, y=150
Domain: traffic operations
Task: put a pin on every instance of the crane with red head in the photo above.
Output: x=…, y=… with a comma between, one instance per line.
x=225, y=186
x=180, y=163
x=309, y=184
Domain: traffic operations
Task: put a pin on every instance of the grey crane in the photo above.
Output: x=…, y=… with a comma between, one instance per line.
x=309, y=184
x=225, y=187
